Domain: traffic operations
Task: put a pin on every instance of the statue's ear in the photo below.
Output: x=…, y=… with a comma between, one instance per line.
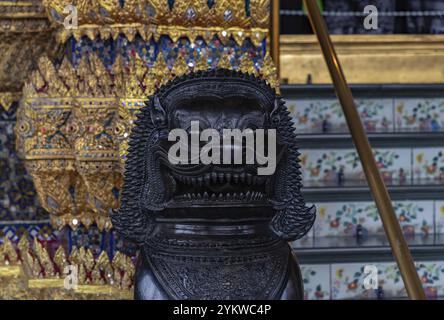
x=158, y=113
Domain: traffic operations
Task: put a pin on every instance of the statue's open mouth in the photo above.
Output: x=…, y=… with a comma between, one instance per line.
x=199, y=185
x=219, y=186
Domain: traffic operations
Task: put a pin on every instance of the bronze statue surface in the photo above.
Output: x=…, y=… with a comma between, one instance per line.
x=213, y=231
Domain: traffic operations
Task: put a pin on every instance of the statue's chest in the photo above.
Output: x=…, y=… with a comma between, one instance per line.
x=252, y=268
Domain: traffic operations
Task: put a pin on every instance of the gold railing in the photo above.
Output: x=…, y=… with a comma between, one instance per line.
x=274, y=34
x=379, y=191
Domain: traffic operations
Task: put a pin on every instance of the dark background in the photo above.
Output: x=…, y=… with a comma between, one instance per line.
x=353, y=25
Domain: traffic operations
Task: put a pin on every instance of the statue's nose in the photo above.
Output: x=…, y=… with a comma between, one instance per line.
x=245, y=151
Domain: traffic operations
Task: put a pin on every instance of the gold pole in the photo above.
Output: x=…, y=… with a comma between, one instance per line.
x=274, y=32
x=391, y=225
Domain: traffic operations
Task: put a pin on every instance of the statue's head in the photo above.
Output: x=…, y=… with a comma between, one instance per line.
x=211, y=142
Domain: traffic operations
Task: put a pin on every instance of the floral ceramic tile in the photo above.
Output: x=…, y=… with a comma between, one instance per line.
x=344, y=164
x=311, y=115
x=416, y=217
x=376, y=115
x=390, y=280
x=341, y=219
x=428, y=163
x=431, y=274
x=348, y=281
x=316, y=278
x=432, y=278
x=326, y=115
x=345, y=219
x=330, y=164
x=394, y=164
x=419, y=114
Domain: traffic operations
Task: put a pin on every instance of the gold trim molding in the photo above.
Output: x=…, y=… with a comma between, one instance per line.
x=365, y=58
x=153, y=18
x=148, y=32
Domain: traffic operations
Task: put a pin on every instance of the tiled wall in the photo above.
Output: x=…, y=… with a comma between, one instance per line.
x=398, y=114
x=346, y=280
x=341, y=219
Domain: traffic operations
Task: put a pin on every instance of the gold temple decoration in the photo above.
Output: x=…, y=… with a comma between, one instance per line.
x=153, y=18
x=25, y=33
x=76, y=115
x=29, y=271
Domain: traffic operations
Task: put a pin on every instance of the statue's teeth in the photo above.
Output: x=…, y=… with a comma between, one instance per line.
x=235, y=178
x=200, y=181
x=228, y=177
x=242, y=177
x=249, y=178
x=220, y=177
x=207, y=179
x=213, y=177
x=254, y=180
x=205, y=195
x=213, y=196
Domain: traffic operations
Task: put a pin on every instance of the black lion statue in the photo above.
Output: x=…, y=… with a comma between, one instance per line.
x=214, y=230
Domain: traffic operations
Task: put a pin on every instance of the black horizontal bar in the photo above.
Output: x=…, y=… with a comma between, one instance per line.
x=320, y=91
x=315, y=192
x=373, y=249
x=377, y=139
